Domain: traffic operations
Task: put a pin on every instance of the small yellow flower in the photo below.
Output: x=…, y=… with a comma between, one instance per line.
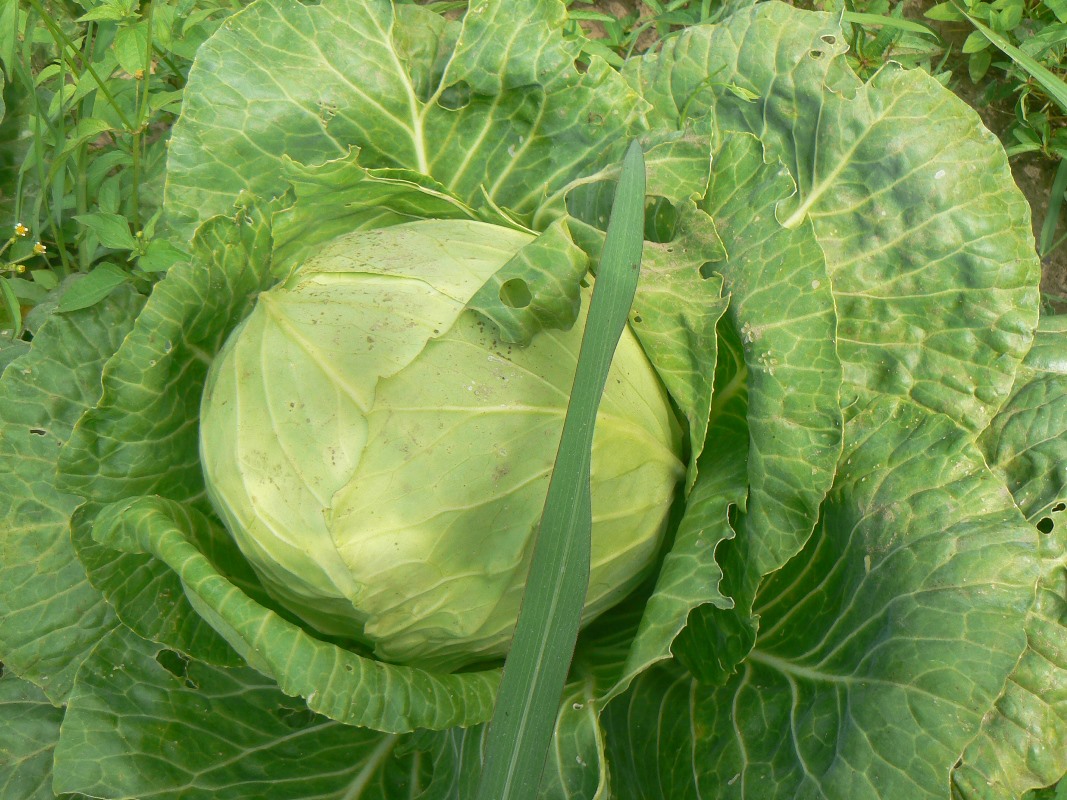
x=20, y=229
x=39, y=249
x=20, y=268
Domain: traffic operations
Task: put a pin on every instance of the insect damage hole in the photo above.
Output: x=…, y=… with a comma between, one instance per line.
x=1046, y=525
x=177, y=665
x=708, y=270
x=515, y=293
x=661, y=220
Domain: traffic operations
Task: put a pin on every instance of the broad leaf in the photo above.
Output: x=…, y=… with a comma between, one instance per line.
x=510, y=120
x=114, y=453
x=1023, y=745
x=335, y=681
x=135, y=727
x=27, y=738
x=927, y=239
x=50, y=617
x=782, y=306
x=882, y=645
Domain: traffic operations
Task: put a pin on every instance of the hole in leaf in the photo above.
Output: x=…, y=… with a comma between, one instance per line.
x=707, y=270
x=1059, y=507
x=637, y=317
x=514, y=293
x=1046, y=525
x=295, y=718
x=816, y=54
x=456, y=96
x=177, y=665
x=661, y=220
x=38, y=431
x=829, y=38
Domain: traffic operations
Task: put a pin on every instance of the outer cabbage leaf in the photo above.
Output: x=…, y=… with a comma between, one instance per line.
x=1023, y=744
x=50, y=617
x=335, y=681
x=339, y=197
x=141, y=438
x=510, y=120
x=115, y=458
x=27, y=739
x=135, y=728
x=783, y=310
x=882, y=646
x=927, y=239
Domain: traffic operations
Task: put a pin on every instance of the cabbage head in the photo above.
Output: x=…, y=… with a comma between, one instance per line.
x=382, y=459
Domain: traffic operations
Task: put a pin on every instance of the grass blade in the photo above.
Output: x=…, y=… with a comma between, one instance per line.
x=1047, y=239
x=880, y=20
x=535, y=672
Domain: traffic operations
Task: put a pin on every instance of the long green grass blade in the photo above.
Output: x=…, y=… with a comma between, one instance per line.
x=880, y=20
x=520, y=732
x=1052, y=84
x=1047, y=239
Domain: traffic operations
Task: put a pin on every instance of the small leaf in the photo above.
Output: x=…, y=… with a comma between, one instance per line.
x=1011, y=17
x=46, y=278
x=113, y=10
x=10, y=33
x=86, y=129
x=975, y=43
x=131, y=48
x=978, y=65
x=112, y=229
x=93, y=288
x=28, y=292
x=944, y=12
x=741, y=92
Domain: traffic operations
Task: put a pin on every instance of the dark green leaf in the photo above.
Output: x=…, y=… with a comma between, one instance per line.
x=50, y=617
x=169, y=728
x=28, y=735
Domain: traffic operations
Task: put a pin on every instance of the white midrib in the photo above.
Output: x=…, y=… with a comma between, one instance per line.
x=417, y=135
x=794, y=670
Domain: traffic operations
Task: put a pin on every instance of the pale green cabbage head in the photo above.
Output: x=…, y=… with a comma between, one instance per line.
x=382, y=459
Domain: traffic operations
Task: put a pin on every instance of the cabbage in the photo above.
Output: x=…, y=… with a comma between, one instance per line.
x=382, y=458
